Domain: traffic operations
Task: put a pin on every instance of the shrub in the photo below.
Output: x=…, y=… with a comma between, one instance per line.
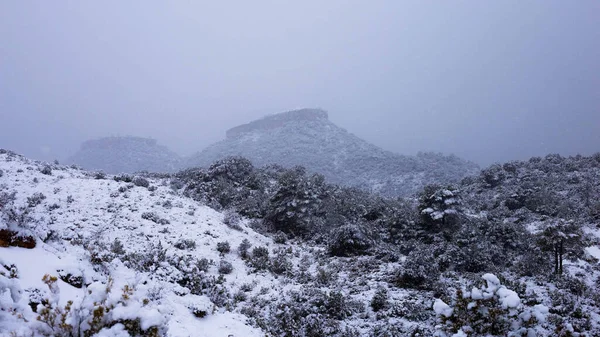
x=223, y=247
x=225, y=267
x=348, y=240
x=185, y=244
x=492, y=310
x=203, y=264
x=155, y=218
x=35, y=199
x=280, y=237
x=47, y=170
x=124, y=178
x=117, y=248
x=243, y=248
x=280, y=263
x=259, y=259
x=232, y=220
x=380, y=299
x=100, y=175
x=141, y=182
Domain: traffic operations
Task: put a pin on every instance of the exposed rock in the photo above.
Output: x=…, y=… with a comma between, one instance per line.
x=9, y=238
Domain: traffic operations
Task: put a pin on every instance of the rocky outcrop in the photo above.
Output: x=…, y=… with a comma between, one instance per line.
x=277, y=121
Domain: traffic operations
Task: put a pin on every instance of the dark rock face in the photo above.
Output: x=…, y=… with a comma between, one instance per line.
x=307, y=138
x=10, y=238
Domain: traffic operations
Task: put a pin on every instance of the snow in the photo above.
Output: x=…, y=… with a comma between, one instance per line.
x=593, y=251
x=442, y=308
x=98, y=213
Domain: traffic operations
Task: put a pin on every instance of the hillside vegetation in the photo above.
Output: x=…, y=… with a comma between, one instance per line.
x=235, y=249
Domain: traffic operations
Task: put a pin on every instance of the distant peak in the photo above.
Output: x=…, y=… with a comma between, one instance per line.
x=117, y=141
x=277, y=120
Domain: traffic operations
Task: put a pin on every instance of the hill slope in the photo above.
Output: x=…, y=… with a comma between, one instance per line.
x=307, y=138
x=144, y=256
x=125, y=155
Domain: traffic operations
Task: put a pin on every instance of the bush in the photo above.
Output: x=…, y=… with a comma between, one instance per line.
x=280, y=263
x=185, y=244
x=141, y=182
x=232, y=220
x=348, y=240
x=492, y=310
x=124, y=178
x=155, y=218
x=225, y=267
x=243, y=248
x=259, y=258
x=223, y=247
x=380, y=299
x=47, y=170
x=35, y=199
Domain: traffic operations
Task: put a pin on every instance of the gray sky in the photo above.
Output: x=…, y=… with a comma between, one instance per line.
x=485, y=80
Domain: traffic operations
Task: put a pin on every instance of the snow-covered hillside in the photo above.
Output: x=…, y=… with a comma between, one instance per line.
x=142, y=256
x=125, y=155
x=307, y=138
x=78, y=216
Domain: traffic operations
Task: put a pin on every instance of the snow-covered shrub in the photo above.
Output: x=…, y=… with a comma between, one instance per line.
x=232, y=219
x=123, y=177
x=243, y=248
x=280, y=238
x=155, y=218
x=203, y=264
x=223, y=247
x=295, y=206
x=225, y=267
x=117, y=248
x=379, y=301
x=35, y=199
x=491, y=310
x=439, y=208
x=259, y=259
x=99, y=175
x=185, y=244
x=47, y=170
x=141, y=182
x=10, y=291
x=7, y=198
x=280, y=262
x=103, y=311
x=348, y=240
x=149, y=260
x=420, y=270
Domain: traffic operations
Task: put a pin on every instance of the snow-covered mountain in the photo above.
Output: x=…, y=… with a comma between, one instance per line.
x=307, y=138
x=125, y=155
x=144, y=256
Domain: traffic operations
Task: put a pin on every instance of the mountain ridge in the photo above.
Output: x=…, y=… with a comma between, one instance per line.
x=307, y=137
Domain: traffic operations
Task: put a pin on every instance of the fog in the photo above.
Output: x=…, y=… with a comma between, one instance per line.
x=488, y=81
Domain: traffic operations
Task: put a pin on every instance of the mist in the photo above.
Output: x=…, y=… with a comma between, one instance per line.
x=487, y=81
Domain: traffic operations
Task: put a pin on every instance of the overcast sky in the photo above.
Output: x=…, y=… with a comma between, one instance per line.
x=486, y=80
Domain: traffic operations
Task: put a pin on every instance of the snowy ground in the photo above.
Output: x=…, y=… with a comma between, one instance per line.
x=96, y=210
